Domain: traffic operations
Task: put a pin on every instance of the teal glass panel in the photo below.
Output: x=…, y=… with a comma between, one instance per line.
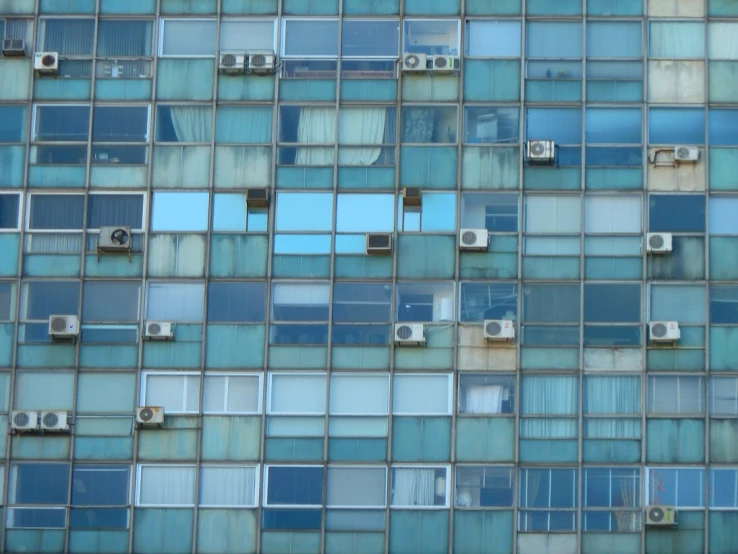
x=437, y=354
x=430, y=88
x=369, y=90
x=51, y=265
x=9, y=247
x=249, y=7
x=686, y=261
x=723, y=538
x=493, y=7
x=43, y=448
x=110, y=177
x=6, y=344
x=284, y=542
x=247, y=88
x=723, y=346
x=112, y=356
x=113, y=266
x=298, y=357
x=38, y=541
x=553, y=451
x=224, y=346
x=688, y=538
x=169, y=444
x=14, y=81
x=307, y=90
x=425, y=257
x=304, y=177
x=232, y=438
x=485, y=439
x=133, y=7
x=310, y=7
x=238, y=167
x=499, y=262
x=357, y=450
x=17, y=6
x=428, y=167
x=354, y=543
x=103, y=448
x=432, y=7
x=553, y=91
x=106, y=392
x=12, y=159
x=614, y=7
x=491, y=80
x=676, y=360
x=723, y=258
x=360, y=357
x=379, y=7
x=722, y=78
x=552, y=178
x=723, y=162
x=613, y=268
x=181, y=167
x=62, y=89
x=483, y=532
x=675, y=440
x=238, y=255
x=123, y=89
x=98, y=542
x=553, y=7
x=185, y=79
x=188, y=6
x=418, y=532
x=366, y=177
x=549, y=358
x=359, y=267
x=490, y=167
x=45, y=355
x=243, y=124
x=56, y=176
x=305, y=267
x=168, y=354
x=614, y=178
x=293, y=450
x=67, y=6
x=550, y=267
x=619, y=451
x=614, y=91
x=176, y=255
x=421, y=439
x=226, y=531
x=722, y=8
x=157, y=530
x=724, y=440
x=606, y=543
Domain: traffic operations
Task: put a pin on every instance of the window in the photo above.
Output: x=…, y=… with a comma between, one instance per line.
x=312, y=211
x=668, y=394
x=44, y=390
x=484, y=487
x=297, y=486
x=310, y=38
x=721, y=127
x=551, y=303
x=359, y=394
x=40, y=484
x=670, y=126
x=620, y=39
x=676, y=40
x=613, y=126
x=12, y=123
x=296, y=393
x=179, y=302
x=120, y=38
x=560, y=39
x=491, y=125
x=492, y=39
x=7, y=300
x=616, y=395
x=365, y=213
x=61, y=123
x=228, y=486
x=498, y=213
x=68, y=36
x=549, y=395
x=723, y=488
x=243, y=125
x=486, y=393
x=683, y=213
x=56, y=212
x=110, y=301
x=41, y=299
x=562, y=125
x=437, y=212
x=358, y=308
x=165, y=485
x=611, y=488
x=723, y=304
x=429, y=124
x=231, y=394
x=120, y=123
x=424, y=394
x=250, y=35
x=362, y=38
x=552, y=214
x=681, y=487
x=240, y=302
x=480, y=301
x=723, y=396
x=184, y=123
x=96, y=490
x=187, y=37
x=356, y=487
x=180, y=211
x=425, y=302
x=721, y=45
x=611, y=303
x=115, y=210
x=301, y=311
x=612, y=214
x=175, y=392
x=438, y=36
x=230, y=213
x=546, y=498
x=108, y=393
x=9, y=211
x=419, y=487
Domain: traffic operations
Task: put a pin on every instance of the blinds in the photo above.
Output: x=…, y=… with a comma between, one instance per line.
x=176, y=393
x=68, y=37
x=124, y=38
x=228, y=486
x=231, y=394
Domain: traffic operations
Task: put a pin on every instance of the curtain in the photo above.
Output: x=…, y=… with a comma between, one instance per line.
x=612, y=395
x=418, y=124
x=115, y=209
x=191, y=124
x=413, y=487
x=548, y=428
x=613, y=428
x=361, y=126
x=69, y=37
x=176, y=255
x=485, y=167
x=124, y=38
x=228, y=486
x=176, y=393
x=549, y=395
x=316, y=126
x=484, y=399
x=167, y=485
x=56, y=211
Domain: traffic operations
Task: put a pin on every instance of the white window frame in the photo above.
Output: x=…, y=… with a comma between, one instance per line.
x=144, y=210
x=647, y=485
x=362, y=466
x=34, y=121
x=446, y=19
x=147, y=138
x=275, y=29
x=227, y=375
x=21, y=210
x=139, y=468
x=257, y=478
x=362, y=374
x=183, y=374
x=447, y=501
x=265, y=490
x=283, y=36
x=270, y=390
x=160, y=38
x=449, y=399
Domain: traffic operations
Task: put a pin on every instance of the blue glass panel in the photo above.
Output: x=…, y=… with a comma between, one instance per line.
x=562, y=125
x=162, y=530
x=722, y=127
x=613, y=126
x=676, y=126
x=676, y=213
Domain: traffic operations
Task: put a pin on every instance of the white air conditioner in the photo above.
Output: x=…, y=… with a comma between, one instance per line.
x=441, y=64
x=410, y=333
x=54, y=421
x=688, y=154
x=663, y=331
x=260, y=63
x=499, y=329
x=540, y=151
x=114, y=239
x=660, y=515
x=232, y=63
x=14, y=47
x=46, y=63
x=150, y=415
x=658, y=243
x=473, y=239
x=63, y=326
x=24, y=420
x=158, y=330
x=414, y=62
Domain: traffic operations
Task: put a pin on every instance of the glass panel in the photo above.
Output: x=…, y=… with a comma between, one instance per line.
x=310, y=39
x=176, y=39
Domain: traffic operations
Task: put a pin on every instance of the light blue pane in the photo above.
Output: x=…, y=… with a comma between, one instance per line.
x=9, y=247
x=366, y=177
x=68, y=89
x=723, y=345
x=365, y=213
x=46, y=448
x=185, y=79
x=722, y=168
x=491, y=80
x=293, y=450
x=722, y=215
x=15, y=84
x=298, y=357
x=614, y=91
x=229, y=212
x=123, y=89
x=226, y=531
x=304, y=212
x=168, y=444
x=180, y=211
x=128, y=6
x=549, y=358
x=723, y=538
x=493, y=7
x=354, y=543
x=722, y=81
x=426, y=256
x=307, y=90
x=548, y=178
x=106, y=392
x=369, y=90
x=438, y=212
x=676, y=126
x=553, y=91
x=613, y=126
x=246, y=88
x=485, y=439
x=38, y=541
x=310, y=7
x=181, y=167
x=238, y=255
x=304, y=177
x=685, y=304
x=17, y=6
x=554, y=39
x=428, y=167
x=357, y=267
x=432, y=7
x=675, y=441
x=724, y=440
x=12, y=159
x=618, y=451
x=416, y=439
x=44, y=176
x=225, y=346
x=678, y=41
x=243, y=125
x=231, y=438
x=252, y=7
x=103, y=448
x=549, y=451
x=36, y=265
x=553, y=7
x=98, y=542
x=418, y=532
x=301, y=267
x=562, y=125
x=162, y=530
x=488, y=39
x=188, y=6
x=721, y=127
x=483, y=532
x=379, y=7
x=614, y=178
x=614, y=39
x=302, y=244
x=614, y=7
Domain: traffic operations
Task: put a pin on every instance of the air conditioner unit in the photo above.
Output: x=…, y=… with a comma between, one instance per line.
x=257, y=198
x=540, y=151
x=158, y=330
x=23, y=420
x=688, y=154
x=379, y=243
x=660, y=515
x=231, y=63
x=260, y=63
x=410, y=333
x=149, y=415
x=14, y=47
x=63, y=326
x=499, y=329
x=441, y=64
x=411, y=196
x=46, y=63
x=414, y=62
x=473, y=239
x=663, y=331
x=114, y=239
x=658, y=243
x=54, y=421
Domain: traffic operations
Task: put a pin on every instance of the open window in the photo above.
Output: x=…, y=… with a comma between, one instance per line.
x=431, y=37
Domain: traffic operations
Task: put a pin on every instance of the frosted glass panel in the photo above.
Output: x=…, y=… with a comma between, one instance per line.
x=421, y=394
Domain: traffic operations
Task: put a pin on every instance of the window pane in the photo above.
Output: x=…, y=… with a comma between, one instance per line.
x=110, y=301
x=425, y=302
x=69, y=37
x=236, y=302
x=613, y=126
x=498, y=213
x=42, y=299
x=44, y=390
x=180, y=211
x=7, y=301
x=228, y=486
x=680, y=213
x=34, y=483
x=184, y=123
x=562, y=125
x=490, y=124
x=356, y=487
x=612, y=303
x=370, y=38
x=294, y=485
x=554, y=40
x=167, y=486
x=175, y=393
x=300, y=302
x=361, y=302
x=429, y=124
x=674, y=40
x=100, y=485
x=611, y=487
x=676, y=395
x=676, y=126
x=311, y=211
x=612, y=395
x=417, y=488
x=115, y=210
x=721, y=43
x=553, y=214
x=175, y=301
x=486, y=394
x=293, y=393
x=120, y=38
x=547, y=488
x=493, y=39
x=484, y=487
x=177, y=37
x=480, y=301
x=431, y=36
x=722, y=127
x=683, y=303
x=246, y=36
x=723, y=396
x=683, y=487
x=231, y=394
x=421, y=394
x=551, y=303
x=310, y=39
x=120, y=124
x=359, y=394
x=62, y=123
x=12, y=123
x=365, y=213
x=612, y=214
x=723, y=304
x=614, y=40
x=723, y=488
x=56, y=212
x=9, y=209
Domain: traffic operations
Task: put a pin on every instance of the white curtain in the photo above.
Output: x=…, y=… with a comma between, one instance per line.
x=176, y=255
x=548, y=428
x=413, y=487
x=613, y=428
x=484, y=399
x=316, y=126
x=167, y=485
x=612, y=395
x=191, y=124
x=228, y=486
x=361, y=126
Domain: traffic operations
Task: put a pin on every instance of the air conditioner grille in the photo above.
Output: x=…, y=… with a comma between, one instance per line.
x=21, y=419
x=493, y=328
x=683, y=152
x=537, y=148
x=441, y=62
x=412, y=61
x=119, y=237
x=51, y=419
x=146, y=414
x=59, y=324
x=469, y=237
x=48, y=60
x=658, y=330
x=258, y=60
x=656, y=514
x=404, y=332
x=656, y=241
x=228, y=60
x=154, y=328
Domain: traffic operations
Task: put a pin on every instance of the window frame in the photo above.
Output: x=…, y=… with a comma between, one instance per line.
x=700, y=396
x=265, y=488
x=373, y=57
x=257, y=482
x=456, y=52
x=137, y=495
x=450, y=395
x=144, y=209
x=82, y=465
x=348, y=374
x=646, y=484
x=145, y=374
x=147, y=135
x=161, y=32
x=40, y=37
x=227, y=375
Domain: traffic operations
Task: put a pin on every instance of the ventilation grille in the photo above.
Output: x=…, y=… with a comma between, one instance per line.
x=412, y=61
x=493, y=328
x=404, y=332
x=50, y=419
x=59, y=324
x=154, y=328
x=228, y=60
x=469, y=238
x=656, y=241
x=258, y=60
x=146, y=414
x=21, y=419
x=658, y=330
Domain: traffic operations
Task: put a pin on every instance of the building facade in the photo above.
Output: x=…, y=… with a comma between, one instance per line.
x=403, y=276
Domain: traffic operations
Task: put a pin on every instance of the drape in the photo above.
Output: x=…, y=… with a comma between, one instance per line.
x=548, y=428
x=484, y=399
x=191, y=124
x=413, y=487
x=484, y=167
x=612, y=395
x=549, y=395
x=167, y=485
x=361, y=126
x=613, y=428
x=316, y=126
x=227, y=486
x=418, y=124
x=124, y=38
x=69, y=37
